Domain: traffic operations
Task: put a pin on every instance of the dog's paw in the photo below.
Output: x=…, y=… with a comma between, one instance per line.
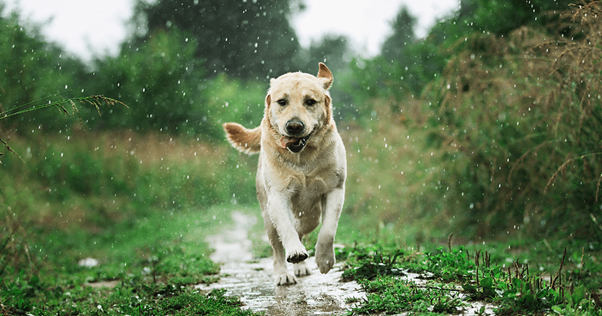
x=325, y=257
x=301, y=269
x=285, y=279
x=297, y=256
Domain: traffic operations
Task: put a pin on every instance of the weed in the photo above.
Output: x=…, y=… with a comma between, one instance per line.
x=455, y=278
x=391, y=295
x=369, y=266
x=152, y=269
x=58, y=102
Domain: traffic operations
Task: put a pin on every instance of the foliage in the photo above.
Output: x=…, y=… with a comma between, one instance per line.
x=150, y=268
x=245, y=39
x=392, y=296
x=490, y=127
x=403, y=34
x=162, y=82
x=32, y=69
x=503, y=17
x=130, y=173
x=333, y=50
x=448, y=281
x=532, y=158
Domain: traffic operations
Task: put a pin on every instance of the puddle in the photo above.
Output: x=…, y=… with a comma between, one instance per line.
x=316, y=294
x=101, y=284
x=253, y=281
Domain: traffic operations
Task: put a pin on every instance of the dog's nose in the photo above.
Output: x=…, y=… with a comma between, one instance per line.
x=294, y=127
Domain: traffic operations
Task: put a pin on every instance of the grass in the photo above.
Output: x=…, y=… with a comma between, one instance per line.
x=135, y=216
x=153, y=261
x=452, y=278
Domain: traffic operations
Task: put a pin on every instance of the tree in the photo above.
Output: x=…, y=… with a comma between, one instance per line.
x=333, y=50
x=500, y=17
x=33, y=69
x=244, y=38
x=403, y=34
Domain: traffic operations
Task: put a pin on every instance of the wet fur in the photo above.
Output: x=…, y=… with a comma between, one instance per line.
x=296, y=190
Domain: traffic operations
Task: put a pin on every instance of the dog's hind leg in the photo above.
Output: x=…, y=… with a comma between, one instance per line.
x=282, y=276
x=333, y=203
x=301, y=269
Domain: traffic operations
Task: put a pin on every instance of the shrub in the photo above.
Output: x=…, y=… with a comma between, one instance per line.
x=520, y=122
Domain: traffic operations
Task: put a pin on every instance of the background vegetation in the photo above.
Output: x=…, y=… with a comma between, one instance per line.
x=489, y=128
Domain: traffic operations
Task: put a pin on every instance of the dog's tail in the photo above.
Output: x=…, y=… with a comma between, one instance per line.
x=245, y=140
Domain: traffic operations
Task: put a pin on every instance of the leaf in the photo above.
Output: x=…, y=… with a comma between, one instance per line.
x=487, y=283
x=578, y=295
x=469, y=288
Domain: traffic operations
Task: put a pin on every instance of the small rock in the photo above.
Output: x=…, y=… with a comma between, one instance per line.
x=88, y=262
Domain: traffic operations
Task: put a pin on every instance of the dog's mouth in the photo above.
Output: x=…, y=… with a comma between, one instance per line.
x=294, y=144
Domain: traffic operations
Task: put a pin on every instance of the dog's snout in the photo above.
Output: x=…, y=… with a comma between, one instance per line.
x=294, y=127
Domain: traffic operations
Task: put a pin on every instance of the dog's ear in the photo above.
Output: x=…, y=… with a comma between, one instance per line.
x=325, y=76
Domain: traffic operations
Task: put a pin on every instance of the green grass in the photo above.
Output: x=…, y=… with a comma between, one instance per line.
x=154, y=261
x=152, y=202
x=511, y=285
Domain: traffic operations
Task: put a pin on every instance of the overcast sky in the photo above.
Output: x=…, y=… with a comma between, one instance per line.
x=87, y=27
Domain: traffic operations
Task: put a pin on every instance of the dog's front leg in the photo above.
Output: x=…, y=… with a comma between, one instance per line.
x=330, y=219
x=280, y=213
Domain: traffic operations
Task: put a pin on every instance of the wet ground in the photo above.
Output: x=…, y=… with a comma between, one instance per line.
x=253, y=280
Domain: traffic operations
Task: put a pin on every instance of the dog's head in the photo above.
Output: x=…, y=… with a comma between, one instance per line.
x=298, y=105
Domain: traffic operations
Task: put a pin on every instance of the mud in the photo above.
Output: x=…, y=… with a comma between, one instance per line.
x=253, y=281
x=316, y=294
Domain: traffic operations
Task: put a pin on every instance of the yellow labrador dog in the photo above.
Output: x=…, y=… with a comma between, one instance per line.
x=302, y=169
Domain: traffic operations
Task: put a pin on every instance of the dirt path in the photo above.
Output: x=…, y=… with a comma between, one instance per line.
x=253, y=282
x=316, y=294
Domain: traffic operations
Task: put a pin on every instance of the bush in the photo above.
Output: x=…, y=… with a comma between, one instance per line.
x=33, y=70
x=520, y=122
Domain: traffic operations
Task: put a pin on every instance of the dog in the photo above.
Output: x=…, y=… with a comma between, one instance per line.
x=301, y=171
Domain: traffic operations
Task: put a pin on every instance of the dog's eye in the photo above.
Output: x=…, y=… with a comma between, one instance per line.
x=311, y=102
x=282, y=102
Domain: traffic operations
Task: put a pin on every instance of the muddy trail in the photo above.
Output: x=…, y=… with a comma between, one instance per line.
x=253, y=280
x=317, y=294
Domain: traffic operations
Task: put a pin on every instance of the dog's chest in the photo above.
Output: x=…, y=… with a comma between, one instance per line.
x=308, y=191
x=314, y=187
